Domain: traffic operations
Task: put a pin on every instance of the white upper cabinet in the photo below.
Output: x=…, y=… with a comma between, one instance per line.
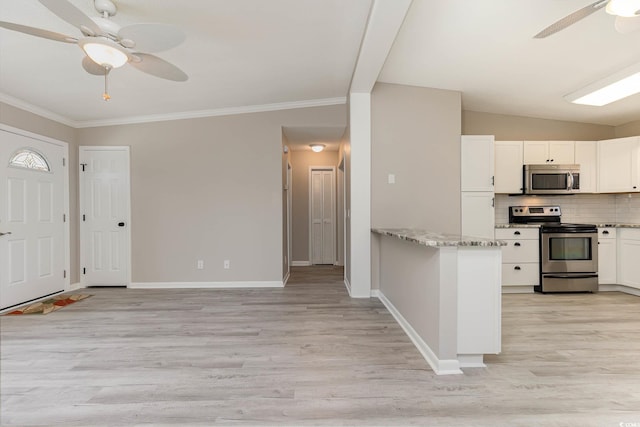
x=545, y=152
x=477, y=162
x=508, y=167
x=619, y=165
x=587, y=157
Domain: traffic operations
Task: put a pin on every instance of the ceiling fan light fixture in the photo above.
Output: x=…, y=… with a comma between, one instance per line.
x=317, y=147
x=610, y=89
x=104, y=52
x=626, y=8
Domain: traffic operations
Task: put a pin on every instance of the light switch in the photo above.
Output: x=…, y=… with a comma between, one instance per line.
x=391, y=179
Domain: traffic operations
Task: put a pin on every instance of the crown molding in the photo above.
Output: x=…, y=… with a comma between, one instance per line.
x=15, y=102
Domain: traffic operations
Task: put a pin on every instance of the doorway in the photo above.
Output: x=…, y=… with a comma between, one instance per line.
x=105, y=225
x=34, y=227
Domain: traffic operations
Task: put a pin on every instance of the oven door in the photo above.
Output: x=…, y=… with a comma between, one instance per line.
x=569, y=252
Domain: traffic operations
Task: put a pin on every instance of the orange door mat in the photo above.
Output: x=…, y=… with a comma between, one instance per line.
x=48, y=305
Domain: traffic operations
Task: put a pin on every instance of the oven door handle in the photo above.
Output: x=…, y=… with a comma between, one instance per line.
x=570, y=276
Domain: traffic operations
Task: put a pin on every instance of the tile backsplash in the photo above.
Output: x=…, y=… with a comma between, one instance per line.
x=579, y=208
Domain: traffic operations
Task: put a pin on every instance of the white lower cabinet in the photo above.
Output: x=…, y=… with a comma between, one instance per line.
x=607, y=256
x=520, y=257
x=629, y=257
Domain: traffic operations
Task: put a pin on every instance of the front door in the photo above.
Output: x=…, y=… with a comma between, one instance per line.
x=32, y=218
x=104, y=216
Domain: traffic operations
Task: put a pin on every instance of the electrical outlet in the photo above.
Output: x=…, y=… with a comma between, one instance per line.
x=227, y=264
x=200, y=264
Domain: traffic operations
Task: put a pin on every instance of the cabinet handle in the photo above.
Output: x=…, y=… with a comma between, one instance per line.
x=493, y=202
x=493, y=181
x=516, y=244
x=517, y=233
x=552, y=160
x=605, y=232
x=517, y=267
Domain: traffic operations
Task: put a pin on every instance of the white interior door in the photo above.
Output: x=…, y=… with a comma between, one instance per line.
x=104, y=216
x=322, y=216
x=32, y=218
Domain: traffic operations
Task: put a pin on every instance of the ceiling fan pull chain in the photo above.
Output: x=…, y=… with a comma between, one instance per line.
x=106, y=95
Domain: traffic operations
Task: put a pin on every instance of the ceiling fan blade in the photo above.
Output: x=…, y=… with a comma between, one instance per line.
x=152, y=37
x=93, y=68
x=38, y=32
x=627, y=25
x=158, y=67
x=74, y=16
x=571, y=19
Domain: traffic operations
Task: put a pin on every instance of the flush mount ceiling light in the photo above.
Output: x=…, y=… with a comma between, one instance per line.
x=626, y=8
x=317, y=147
x=610, y=89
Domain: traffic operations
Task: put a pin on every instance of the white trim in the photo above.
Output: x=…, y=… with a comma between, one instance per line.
x=286, y=279
x=77, y=285
x=517, y=289
x=440, y=367
x=204, y=285
x=79, y=124
x=471, y=360
x=66, y=204
x=300, y=263
x=333, y=208
x=347, y=285
x=619, y=288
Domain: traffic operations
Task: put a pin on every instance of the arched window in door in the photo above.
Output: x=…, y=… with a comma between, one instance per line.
x=29, y=159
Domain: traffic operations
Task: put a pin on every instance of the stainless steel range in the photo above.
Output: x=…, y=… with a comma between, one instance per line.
x=568, y=252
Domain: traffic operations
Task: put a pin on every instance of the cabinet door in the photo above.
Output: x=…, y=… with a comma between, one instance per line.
x=628, y=265
x=618, y=164
x=607, y=261
x=478, y=214
x=561, y=152
x=536, y=152
x=508, y=167
x=477, y=162
x=586, y=156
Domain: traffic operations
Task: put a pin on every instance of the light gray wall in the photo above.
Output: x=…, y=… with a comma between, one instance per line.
x=416, y=136
x=509, y=128
x=301, y=161
x=629, y=129
x=30, y=122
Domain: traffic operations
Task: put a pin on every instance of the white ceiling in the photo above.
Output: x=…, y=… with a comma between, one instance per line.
x=244, y=55
x=485, y=50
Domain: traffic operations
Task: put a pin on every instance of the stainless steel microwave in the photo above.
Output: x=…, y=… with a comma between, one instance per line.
x=551, y=179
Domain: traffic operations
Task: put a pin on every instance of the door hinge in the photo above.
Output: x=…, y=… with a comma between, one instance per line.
x=64, y=162
x=83, y=166
x=84, y=270
x=64, y=274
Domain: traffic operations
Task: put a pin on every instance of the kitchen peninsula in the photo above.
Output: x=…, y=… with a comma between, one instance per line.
x=445, y=292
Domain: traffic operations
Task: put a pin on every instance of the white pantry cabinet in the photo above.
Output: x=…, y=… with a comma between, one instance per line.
x=628, y=257
x=478, y=214
x=619, y=165
x=586, y=155
x=508, y=167
x=544, y=152
x=607, y=256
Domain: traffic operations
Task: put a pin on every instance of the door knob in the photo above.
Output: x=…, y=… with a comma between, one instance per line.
x=3, y=234
x=121, y=224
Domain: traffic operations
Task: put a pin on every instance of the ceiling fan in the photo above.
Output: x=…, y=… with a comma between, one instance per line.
x=627, y=14
x=107, y=45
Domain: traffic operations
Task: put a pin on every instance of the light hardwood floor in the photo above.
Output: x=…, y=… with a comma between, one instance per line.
x=308, y=354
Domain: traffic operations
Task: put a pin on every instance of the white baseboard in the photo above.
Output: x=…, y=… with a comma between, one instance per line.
x=619, y=288
x=338, y=264
x=74, y=286
x=440, y=367
x=347, y=285
x=300, y=263
x=471, y=360
x=286, y=279
x=506, y=289
x=204, y=285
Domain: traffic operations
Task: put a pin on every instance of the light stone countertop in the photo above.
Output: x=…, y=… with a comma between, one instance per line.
x=618, y=225
x=509, y=225
x=435, y=240
x=606, y=225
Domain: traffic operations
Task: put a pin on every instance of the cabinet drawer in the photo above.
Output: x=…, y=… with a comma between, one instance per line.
x=517, y=233
x=520, y=251
x=629, y=233
x=606, y=233
x=522, y=274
